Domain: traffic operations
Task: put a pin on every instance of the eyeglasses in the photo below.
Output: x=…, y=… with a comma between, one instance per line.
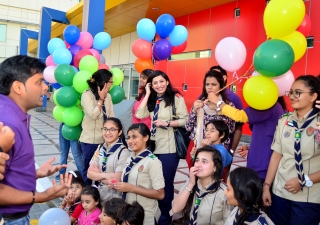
x=295, y=94
x=111, y=130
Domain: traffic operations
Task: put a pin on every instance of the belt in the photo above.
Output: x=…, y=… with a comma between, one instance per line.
x=13, y=216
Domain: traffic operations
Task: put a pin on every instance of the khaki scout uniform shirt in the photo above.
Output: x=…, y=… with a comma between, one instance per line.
x=256, y=222
x=164, y=138
x=115, y=163
x=310, y=151
x=147, y=174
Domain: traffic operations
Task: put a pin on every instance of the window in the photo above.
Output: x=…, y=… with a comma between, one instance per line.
x=191, y=55
x=3, y=32
x=310, y=42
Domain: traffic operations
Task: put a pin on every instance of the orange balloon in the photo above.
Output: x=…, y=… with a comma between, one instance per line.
x=143, y=64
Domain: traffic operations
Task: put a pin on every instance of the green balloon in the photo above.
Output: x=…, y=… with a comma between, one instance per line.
x=80, y=81
x=71, y=133
x=89, y=63
x=117, y=94
x=67, y=97
x=64, y=74
x=57, y=113
x=117, y=76
x=72, y=116
x=55, y=97
x=273, y=58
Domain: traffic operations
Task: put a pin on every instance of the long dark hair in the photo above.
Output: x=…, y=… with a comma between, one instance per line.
x=282, y=103
x=144, y=131
x=147, y=73
x=313, y=83
x=247, y=190
x=168, y=96
x=98, y=79
x=217, y=160
x=119, y=125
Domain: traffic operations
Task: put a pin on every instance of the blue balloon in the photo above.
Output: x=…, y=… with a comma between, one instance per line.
x=165, y=25
x=75, y=69
x=71, y=34
x=178, y=36
x=146, y=29
x=54, y=216
x=54, y=44
x=56, y=86
x=101, y=41
x=62, y=56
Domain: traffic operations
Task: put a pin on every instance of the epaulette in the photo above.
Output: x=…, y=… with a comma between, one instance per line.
x=285, y=115
x=152, y=156
x=178, y=95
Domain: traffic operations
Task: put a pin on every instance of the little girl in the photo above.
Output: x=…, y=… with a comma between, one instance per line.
x=71, y=202
x=90, y=199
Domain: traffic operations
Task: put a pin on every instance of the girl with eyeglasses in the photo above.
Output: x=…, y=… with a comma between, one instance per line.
x=109, y=159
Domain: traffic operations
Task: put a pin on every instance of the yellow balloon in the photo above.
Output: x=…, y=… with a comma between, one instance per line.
x=298, y=43
x=260, y=92
x=282, y=17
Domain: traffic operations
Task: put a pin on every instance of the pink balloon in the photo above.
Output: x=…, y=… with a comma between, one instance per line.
x=85, y=40
x=48, y=74
x=95, y=53
x=230, y=53
x=49, y=61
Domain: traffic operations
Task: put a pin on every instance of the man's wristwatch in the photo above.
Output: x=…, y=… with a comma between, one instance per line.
x=218, y=105
x=309, y=182
x=168, y=122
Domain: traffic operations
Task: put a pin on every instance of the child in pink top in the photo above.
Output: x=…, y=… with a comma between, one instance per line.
x=90, y=198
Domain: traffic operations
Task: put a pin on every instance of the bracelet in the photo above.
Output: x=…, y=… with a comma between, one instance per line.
x=33, y=197
x=188, y=189
x=98, y=103
x=264, y=184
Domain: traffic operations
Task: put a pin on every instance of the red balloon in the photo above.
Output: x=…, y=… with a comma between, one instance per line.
x=179, y=49
x=79, y=55
x=305, y=26
x=142, y=49
x=103, y=66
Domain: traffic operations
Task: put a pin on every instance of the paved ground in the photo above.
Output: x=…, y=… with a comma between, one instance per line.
x=44, y=131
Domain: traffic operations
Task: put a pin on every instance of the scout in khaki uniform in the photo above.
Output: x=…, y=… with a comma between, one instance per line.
x=142, y=178
x=109, y=160
x=294, y=168
x=204, y=191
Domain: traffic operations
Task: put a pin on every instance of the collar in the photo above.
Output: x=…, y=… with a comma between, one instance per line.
x=133, y=155
x=110, y=146
x=303, y=119
x=8, y=102
x=206, y=187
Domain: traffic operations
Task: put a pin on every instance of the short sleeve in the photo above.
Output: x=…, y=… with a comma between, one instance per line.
x=124, y=154
x=156, y=175
x=77, y=211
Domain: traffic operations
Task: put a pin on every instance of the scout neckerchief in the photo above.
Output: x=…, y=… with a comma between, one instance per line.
x=104, y=112
x=133, y=161
x=297, y=152
x=251, y=218
x=193, y=219
x=155, y=115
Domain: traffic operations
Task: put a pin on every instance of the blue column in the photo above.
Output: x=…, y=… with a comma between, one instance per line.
x=93, y=16
x=24, y=36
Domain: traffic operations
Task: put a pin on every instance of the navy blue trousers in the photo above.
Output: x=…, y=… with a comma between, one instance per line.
x=87, y=152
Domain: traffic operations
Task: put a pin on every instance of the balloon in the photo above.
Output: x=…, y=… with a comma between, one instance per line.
x=282, y=17
x=260, y=92
x=71, y=34
x=54, y=216
x=79, y=55
x=101, y=41
x=165, y=25
x=56, y=86
x=57, y=113
x=142, y=64
x=67, y=97
x=298, y=44
x=62, y=56
x=49, y=61
x=103, y=66
x=80, y=81
x=48, y=74
x=54, y=44
x=117, y=94
x=117, y=76
x=146, y=29
x=75, y=69
x=305, y=26
x=72, y=116
x=142, y=49
x=273, y=58
x=95, y=53
x=162, y=49
x=179, y=49
x=89, y=63
x=64, y=74
x=71, y=134
x=85, y=41
x=178, y=36
x=230, y=53
x=67, y=44
x=102, y=59
x=74, y=49
x=55, y=97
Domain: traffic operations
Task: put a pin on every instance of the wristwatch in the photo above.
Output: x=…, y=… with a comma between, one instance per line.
x=67, y=208
x=168, y=122
x=309, y=182
x=218, y=105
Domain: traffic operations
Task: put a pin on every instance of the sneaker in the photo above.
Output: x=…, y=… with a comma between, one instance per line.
x=57, y=178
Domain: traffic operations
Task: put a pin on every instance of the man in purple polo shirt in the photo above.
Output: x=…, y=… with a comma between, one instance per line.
x=21, y=89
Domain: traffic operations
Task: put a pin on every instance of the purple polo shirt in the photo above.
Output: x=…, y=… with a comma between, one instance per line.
x=234, y=98
x=20, y=168
x=264, y=125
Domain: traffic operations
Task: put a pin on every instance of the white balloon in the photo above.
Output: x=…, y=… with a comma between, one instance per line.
x=54, y=216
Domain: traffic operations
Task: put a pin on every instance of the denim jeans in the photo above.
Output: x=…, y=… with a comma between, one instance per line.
x=21, y=221
x=76, y=152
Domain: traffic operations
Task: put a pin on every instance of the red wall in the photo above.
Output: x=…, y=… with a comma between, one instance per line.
x=206, y=28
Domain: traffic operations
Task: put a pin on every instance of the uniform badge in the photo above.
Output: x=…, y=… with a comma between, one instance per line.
x=286, y=134
x=310, y=131
x=140, y=169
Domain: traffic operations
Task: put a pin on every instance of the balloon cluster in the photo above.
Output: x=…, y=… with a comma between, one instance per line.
x=173, y=39
x=70, y=64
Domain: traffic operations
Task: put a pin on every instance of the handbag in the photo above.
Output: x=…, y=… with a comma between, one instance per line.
x=181, y=136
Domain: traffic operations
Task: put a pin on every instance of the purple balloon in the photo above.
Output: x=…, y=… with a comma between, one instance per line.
x=162, y=49
x=74, y=49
